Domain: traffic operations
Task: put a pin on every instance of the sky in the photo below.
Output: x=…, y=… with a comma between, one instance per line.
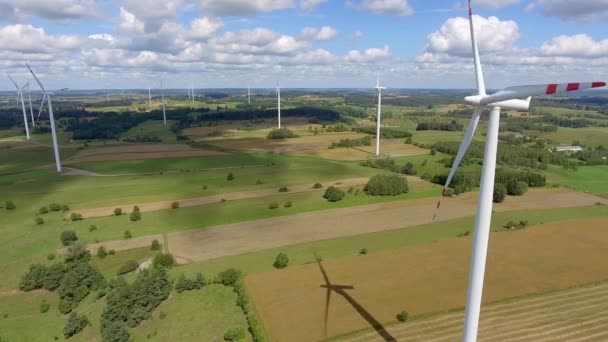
x=88, y=44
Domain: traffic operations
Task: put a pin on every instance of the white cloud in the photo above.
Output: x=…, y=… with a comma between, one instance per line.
x=308, y=32
x=369, y=55
x=243, y=7
x=394, y=7
x=309, y=5
x=492, y=34
x=568, y=9
x=30, y=39
x=153, y=13
x=129, y=23
x=495, y=3
x=324, y=34
x=53, y=10
x=205, y=28
x=355, y=36
x=580, y=45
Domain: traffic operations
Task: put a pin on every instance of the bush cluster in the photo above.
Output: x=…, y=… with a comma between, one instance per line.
x=347, y=143
x=500, y=193
x=333, y=194
x=317, y=186
x=135, y=214
x=127, y=267
x=283, y=133
x=75, y=217
x=281, y=261
x=155, y=246
x=234, y=334
x=517, y=188
x=386, y=185
x=75, y=325
x=522, y=224
x=163, y=260
x=68, y=237
x=186, y=284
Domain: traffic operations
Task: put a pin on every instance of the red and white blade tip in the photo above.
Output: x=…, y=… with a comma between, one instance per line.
x=555, y=88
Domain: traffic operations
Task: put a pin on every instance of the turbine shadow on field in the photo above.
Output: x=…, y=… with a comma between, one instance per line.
x=341, y=290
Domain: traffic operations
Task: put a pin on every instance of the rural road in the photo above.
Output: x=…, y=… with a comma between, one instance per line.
x=252, y=236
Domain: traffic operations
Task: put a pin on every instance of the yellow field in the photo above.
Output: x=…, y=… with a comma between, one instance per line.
x=425, y=279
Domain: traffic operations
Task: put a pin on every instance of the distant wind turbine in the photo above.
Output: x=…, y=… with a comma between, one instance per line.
x=248, y=95
x=378, y=118
x=20, y=96
x=279, y=103
x=29, y=99
x=162, y=91
x=150, y=97
x=51, y=119
x=509, y=98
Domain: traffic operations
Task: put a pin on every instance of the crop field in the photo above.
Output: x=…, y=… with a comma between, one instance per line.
x=138, y=152
x=591, y=136
x=424, y=279
x=576, y=314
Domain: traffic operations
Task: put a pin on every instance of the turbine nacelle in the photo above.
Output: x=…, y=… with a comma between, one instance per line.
x=512, y=104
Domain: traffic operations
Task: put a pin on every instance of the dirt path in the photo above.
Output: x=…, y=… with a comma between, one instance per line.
x=193, y=202
x=246, y=237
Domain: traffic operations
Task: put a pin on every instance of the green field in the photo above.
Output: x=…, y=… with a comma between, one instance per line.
x=589, y=136
x=153, y=128
x=590, y=179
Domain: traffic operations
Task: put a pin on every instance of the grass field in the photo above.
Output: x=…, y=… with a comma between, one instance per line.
x=429, y=278
x=153, y=128
x=590, y=136
x=590, y=179
x=576, y=314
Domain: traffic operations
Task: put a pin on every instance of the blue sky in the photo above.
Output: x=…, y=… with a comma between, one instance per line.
x=85, y=44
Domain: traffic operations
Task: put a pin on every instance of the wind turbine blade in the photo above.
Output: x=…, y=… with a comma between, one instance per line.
x=481, y=87
x=36, y=78
x=14, y=83
x=519, y=92
x=41, y=106
x=464, y=146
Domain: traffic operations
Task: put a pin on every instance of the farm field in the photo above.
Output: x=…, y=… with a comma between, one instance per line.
x=429, y=278
x=576, y=314
x=153, y=128
x=590, y=136
x=591, y=179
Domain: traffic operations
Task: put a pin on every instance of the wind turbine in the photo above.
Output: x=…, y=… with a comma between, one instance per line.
x=279, y=103
x=378, y=118
x=150, y=97
x=248, y=95
x=51, y=119
x=508, y=98
x=29, y=99
x=162, y=91
x=20, y=96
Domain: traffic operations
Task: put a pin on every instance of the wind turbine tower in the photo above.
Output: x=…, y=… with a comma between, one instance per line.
x=248, y=95
x=51, y=119
x=512, y=98
x=279, y=103
x=150, y=97
x=29, y=99
x=378, y=118
x=20, y=96
x=162, y=91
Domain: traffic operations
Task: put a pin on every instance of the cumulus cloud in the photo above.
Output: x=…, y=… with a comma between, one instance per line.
x=324, y=34
x=244, y=7
x=495, y=3
x=369, y=55
x=309, y=5
x=205, y=28
x=580, y=45
x=492, y=34
x=570, y=10
x=30, y=39
x=153, y=13
x=53, y=10
x=394, y=7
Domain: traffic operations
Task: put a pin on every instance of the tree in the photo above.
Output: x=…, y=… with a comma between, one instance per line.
x=163, y=260
x=403, y=316
x=55, y=207
x=75, y=325
x=10, y=205
x=34, y=278
x=317, y=186
x=516, y=188
x=75, y=217
x=500, y=192
x=43, y=210
x=114, y=332
x=282, y=133
x=127, y=234
x=230, y=177
x=135, y=216
x=92, y=228
x=281, y=261
x=229, y=277
x=118, y=211
x=39, y=220
x=155, y=245
x=77, y=252
x=386, y=185
x=273, y=205
x=408, y=169
x=283, y=189
x=333, y=194
x=68, y=237
x=54, y=275
x=234, y=334
x=101, y=252
x=175, y=205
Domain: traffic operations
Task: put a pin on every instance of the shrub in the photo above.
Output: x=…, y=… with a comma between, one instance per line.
x=350, y=190
x=44, y=306
x=229, y=277
x=281, y=261
x=283, y=189
x=68, y=237
x=259, y=182
x=92, y=228
x=164, y=260
x=515, y=188
x=55, y=207
x=273, y=205
x=127, y=234
x=234, y=334
x=363, y=251
x=43, y=210
x=34, y=278
x=426, y=176
x=101, y=252
x=135, y=216
x=403, y=316
x=408, y=169
x=185, y=284
x=333, y=194
x=282, y=133
x=317, y=186
x=127, y=267
x=118, y=211
x=39, y=220
x=75, y=217
x=433, y=151
x=65, y=207
x=65, y=306
x=230, y=177
x=162, y=315
x=111, y=252
x=77, y=252
x=155, y=245
x=174, y=205
x=10, y=205
x=51, y=256
x=386, y=185
x=75, y=325
x=500, y=192
x=288, y=204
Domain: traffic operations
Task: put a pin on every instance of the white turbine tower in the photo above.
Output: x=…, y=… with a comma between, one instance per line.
x=29, y=99
x=378, y=118
x=51, y=119
x=248, y=95
x=150, y=97
x=20, y=96
x=279, y=103
x=162, y=91
x=509, y=98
